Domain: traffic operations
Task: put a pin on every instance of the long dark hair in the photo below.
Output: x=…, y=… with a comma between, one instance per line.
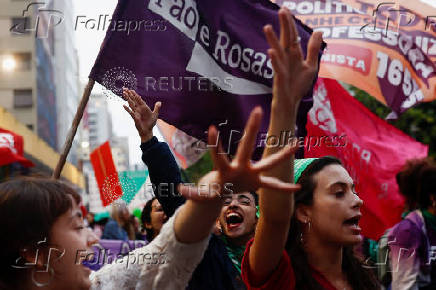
x=28, y=209
x=358, y=276
x=146, y=218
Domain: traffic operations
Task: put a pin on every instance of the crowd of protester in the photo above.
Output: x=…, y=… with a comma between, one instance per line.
x=283, y=224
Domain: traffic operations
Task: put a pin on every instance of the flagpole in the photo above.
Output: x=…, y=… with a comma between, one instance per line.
x=73, y=129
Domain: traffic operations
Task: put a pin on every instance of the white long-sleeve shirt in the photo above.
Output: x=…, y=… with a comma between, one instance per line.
x=165, y=263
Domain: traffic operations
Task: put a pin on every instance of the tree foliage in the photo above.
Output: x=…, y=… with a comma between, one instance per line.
x=418, y=122
x=197, y=170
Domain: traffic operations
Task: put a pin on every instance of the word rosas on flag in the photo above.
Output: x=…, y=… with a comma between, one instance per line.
x=387, y=49
x=207, y=63
x=373, y=153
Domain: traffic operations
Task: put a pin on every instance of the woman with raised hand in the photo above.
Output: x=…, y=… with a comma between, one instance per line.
x=44, y=241
x=303, y=241
x=220, y=268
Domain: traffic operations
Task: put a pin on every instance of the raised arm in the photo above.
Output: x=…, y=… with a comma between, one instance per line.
x=164, y=174
x=162, y=167
x=293, y=77
x=183, y=238
x=240, y=175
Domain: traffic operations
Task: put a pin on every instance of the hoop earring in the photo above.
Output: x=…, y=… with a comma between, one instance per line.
x=308, y=231
x=38, y=284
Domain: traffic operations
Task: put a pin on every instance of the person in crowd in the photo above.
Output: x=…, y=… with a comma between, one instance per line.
x=153, y=217
x=115, y=229
x=129, y=227
x=99, y=224
x=407, y=183
x=305, y=240
x=90, y=219
x=137, y=228
x=221, y=265
x=237, y=223
x=412, y=242
x=44, y=246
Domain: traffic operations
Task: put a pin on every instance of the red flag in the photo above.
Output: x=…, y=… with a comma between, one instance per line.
x=11, y=149
x=106, y=174
x=372, y=151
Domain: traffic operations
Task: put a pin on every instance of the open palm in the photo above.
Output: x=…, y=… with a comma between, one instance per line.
x=142, y=115
x=293, y=75
x=240, y=174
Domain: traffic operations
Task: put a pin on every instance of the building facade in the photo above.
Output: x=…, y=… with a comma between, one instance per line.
x=66, y=77
x=31, y=63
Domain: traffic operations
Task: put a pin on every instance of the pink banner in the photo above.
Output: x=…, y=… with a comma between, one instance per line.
x=185, y=148
x=373, y=152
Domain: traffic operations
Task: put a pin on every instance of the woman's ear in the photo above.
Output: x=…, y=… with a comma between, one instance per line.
x=303, y=213
x=148, y=226
x=217, y=229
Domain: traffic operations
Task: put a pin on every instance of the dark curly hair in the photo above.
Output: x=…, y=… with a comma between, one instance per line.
x=417, y=182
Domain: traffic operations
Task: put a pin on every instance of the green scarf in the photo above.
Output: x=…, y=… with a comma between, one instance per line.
x=429, y=219
x=405, y=213
x=234, y=252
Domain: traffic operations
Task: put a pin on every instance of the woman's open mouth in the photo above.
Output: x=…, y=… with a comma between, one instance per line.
x=353, y=224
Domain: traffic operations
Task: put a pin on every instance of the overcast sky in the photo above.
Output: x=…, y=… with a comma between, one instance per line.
x=431, y=2
x=88, y=44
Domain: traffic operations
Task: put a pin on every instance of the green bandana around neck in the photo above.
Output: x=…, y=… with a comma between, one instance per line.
x=234, y=252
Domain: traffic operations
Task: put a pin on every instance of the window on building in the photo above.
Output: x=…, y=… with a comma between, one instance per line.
x=23, y=98
x=18, y=61
x=24, y=61
x=30, y=126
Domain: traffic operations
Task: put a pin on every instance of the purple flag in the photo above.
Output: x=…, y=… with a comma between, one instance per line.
x=206, y=61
